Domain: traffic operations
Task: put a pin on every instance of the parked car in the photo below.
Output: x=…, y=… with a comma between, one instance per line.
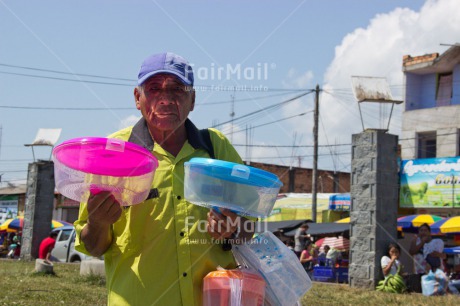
x=64, y=249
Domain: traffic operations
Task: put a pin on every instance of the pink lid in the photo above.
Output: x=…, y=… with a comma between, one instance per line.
x=105, y=156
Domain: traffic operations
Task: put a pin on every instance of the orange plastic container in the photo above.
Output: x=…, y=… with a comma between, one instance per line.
x=233, y=287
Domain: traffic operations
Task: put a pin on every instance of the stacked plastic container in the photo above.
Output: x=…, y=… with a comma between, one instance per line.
x=245, y=190
x=93, y=164
x=233, y=287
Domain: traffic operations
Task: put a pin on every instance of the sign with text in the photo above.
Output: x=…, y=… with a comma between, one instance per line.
x=430, y=182
x=8, y=207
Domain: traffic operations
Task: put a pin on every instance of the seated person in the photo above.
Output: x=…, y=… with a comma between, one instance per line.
x=332, y=257
x=306, y=259
x=46, y=246
x=322, y=255
x=390, y=263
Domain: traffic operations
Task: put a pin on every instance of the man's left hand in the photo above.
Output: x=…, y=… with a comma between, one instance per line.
x=222, y=225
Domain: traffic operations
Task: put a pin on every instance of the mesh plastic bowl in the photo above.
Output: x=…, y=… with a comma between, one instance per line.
x=92, y=164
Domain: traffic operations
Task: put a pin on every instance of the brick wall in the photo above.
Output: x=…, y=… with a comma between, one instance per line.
x=299, y=180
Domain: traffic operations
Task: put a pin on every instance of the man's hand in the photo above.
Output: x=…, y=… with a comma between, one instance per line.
x=222, y=225
x=103, y=209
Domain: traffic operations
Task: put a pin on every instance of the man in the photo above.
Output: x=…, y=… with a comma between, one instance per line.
x=424, y=245
x=156, y=252
x=46, y=246
x=301, y=237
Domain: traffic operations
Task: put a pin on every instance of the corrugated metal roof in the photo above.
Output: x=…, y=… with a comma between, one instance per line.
x=18, y=189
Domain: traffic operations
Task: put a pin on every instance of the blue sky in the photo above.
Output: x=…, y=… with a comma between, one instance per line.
x=302, y=43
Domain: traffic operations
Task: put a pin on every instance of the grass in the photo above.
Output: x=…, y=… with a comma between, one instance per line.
x=20, y=285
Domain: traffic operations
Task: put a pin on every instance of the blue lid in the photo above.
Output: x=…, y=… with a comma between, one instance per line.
x=234, y=172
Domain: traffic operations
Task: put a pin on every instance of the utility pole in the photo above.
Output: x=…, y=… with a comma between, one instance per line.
x=232, y=114
x=314, y=185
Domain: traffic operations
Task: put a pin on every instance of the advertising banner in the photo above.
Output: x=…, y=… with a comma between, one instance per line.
x=8, y=207
x=340, y=202
x=430, y=182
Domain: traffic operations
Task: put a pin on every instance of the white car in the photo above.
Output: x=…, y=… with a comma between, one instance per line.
x=64, y=249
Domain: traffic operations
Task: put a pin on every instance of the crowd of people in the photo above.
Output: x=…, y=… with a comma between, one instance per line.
x=429, y=258
x=10, y=244
x=311, y=255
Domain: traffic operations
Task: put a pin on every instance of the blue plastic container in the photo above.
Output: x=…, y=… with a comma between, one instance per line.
x=245, y=190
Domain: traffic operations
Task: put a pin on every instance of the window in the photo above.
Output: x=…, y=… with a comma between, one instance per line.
x=458, y=143
x=426, y=145
x=65, y=234
x=444, y=89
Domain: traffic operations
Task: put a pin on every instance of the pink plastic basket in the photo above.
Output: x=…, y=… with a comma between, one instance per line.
x=93, y=164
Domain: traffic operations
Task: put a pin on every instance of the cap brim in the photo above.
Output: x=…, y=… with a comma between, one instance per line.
x=151, y=74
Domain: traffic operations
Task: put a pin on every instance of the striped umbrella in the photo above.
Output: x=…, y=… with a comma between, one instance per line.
x=413, y=222
x=17, y=223
x=446, y=226
x=339, y=243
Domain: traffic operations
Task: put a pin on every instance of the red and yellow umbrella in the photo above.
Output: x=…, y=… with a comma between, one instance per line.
x=413, y=222
x=446, y=226
x=15, y=224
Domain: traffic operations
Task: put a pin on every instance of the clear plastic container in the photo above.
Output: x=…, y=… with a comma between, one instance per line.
x=93, y=164
x=245, y=190
x=233, y=287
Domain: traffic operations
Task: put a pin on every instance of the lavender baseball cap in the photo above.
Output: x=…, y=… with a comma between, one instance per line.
x=166, y=63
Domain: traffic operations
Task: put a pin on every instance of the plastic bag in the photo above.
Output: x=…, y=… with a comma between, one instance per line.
x=434, y=283
x=285, y=277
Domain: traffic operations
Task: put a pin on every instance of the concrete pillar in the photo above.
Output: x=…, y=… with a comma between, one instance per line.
x=38, y=210
x=374, y=200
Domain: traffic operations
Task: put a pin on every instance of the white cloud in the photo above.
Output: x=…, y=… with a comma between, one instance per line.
x=376, y=50
x=129, y=121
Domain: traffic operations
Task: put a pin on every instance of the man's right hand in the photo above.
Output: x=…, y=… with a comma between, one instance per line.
x=103, y=209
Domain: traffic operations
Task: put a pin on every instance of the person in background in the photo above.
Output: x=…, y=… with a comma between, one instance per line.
x=306, y=258
x=315, y=253
x=46, y=246
x=390, y=263
x=158, y=252
x=290, y=244
x=322, y=255
x=422, y=246
x=301, y=237
x=333, y=257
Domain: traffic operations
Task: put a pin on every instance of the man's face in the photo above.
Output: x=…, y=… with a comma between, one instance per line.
x=165, y=101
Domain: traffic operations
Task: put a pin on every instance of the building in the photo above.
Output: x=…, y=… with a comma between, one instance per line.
x=299, y=180
x=431, y=118
x=295, y=180
x=430, y=140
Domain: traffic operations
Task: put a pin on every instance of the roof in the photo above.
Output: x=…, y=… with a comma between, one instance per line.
x=323, y=228
x=15, y=189
x=433, y=63
x=276, y=226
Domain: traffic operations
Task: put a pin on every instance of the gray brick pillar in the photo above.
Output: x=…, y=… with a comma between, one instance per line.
x=374, y=195
x=39, y=206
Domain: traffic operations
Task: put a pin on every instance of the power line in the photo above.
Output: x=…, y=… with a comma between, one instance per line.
x=67, y=73
x=271, y=107
x=271, y=122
